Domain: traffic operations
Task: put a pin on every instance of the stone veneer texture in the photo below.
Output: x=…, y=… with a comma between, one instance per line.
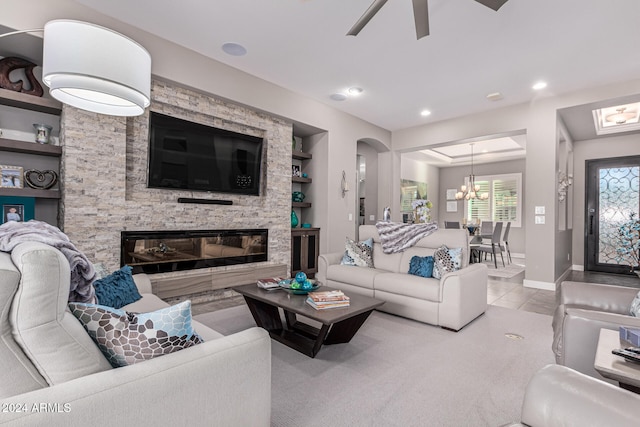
x=104, y=175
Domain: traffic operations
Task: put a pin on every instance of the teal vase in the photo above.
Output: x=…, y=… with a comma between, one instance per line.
x=294, y=219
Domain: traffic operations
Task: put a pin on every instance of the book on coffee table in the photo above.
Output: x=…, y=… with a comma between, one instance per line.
x=334, y=295
x=327, y=305
x=327, y=299
x=270, y=283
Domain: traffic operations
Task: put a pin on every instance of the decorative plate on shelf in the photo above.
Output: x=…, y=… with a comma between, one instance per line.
x=286, y=284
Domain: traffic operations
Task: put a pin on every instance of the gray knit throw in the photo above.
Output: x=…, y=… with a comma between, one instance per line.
x=398, y=236
x=83, y=274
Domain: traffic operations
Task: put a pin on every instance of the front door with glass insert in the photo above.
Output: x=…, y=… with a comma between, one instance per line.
x=613, y=192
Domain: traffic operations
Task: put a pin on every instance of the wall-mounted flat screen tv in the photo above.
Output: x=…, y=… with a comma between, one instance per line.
x=190, y=156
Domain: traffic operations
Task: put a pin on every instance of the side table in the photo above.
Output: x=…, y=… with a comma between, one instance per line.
x=615, y=367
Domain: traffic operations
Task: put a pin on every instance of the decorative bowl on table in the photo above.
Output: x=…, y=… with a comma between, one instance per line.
x=310, y=285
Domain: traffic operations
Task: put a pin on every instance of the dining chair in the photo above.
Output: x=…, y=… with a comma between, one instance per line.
x=495, y=245
x=486, y=229
x=505, y=240
x=452, y=224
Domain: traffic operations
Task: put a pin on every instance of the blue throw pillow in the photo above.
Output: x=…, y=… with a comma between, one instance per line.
x=126, y=338
x=117, y=289
x=421, y=266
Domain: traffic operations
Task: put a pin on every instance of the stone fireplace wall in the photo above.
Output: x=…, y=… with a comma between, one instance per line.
x=104, y=175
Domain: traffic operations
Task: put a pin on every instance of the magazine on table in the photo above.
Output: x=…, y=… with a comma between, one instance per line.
x=270, y=283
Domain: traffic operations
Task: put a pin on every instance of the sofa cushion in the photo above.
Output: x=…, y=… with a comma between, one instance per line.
x=117, y=289
x=388, y=262
x=357, y=276
x=421, y=266
x=358, y=253
x=18, y=374
x=446, y=260
x=49, y=335
x=408, y=285
x=126, y=338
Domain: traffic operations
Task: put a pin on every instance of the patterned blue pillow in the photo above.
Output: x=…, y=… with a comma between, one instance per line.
x=446, y=260
x=421, y=266
x=117, y=289
x=358, y=253
x=126, y=338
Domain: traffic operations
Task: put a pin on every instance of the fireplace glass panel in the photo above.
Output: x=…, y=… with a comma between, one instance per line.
x=158, y=251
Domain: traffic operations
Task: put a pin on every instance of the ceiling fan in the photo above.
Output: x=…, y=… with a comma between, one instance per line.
x=420, y=15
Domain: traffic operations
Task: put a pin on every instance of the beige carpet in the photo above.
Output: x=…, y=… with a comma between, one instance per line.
x=398, y=372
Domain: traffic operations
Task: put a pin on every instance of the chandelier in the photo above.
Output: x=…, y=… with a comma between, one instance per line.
x=470, y=191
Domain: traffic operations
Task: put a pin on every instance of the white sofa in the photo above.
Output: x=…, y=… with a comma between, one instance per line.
x=451, y=301
x=558, y=396
x=53, y=374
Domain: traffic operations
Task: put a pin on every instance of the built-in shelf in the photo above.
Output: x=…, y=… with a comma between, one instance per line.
x=30, y=147
x=30, y=102
x=30, y=192
x=301, y=180
x=301, y=155
x=301, y=204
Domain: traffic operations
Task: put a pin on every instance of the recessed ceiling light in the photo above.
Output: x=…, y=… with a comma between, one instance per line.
x=355, y=91
x=338, y=96
x=425, y=113
x=495, y=96
x=539, y=85
x=234, y=49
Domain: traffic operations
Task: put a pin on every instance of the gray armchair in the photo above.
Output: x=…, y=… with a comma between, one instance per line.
x=583, y=309
x=559, y=396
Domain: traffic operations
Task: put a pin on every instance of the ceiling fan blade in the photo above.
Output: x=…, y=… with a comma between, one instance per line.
x=366, y=17
x=421, y=17
x=493, y=4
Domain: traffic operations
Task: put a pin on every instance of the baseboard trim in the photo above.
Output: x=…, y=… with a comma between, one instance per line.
x=547, y=286
x=577, y=267
x=563, y=276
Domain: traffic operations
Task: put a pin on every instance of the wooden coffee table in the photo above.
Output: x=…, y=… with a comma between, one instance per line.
x=339, y=325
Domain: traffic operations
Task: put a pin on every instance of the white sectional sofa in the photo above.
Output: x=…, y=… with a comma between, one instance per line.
x=452, y=301
x=53, y=374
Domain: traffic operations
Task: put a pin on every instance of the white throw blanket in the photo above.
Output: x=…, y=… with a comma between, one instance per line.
x=83, y=274
x=398, y=236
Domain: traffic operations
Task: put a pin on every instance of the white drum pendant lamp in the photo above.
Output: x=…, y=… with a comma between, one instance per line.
x=96, y=69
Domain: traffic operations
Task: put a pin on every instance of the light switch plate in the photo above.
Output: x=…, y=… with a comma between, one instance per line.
x=372, y=217
x=350, y=217
x=540, y=210
x=540, y=219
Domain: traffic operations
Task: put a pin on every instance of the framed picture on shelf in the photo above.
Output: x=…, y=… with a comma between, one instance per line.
x=295, y=170
x=17, y=209
x=11, y=176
